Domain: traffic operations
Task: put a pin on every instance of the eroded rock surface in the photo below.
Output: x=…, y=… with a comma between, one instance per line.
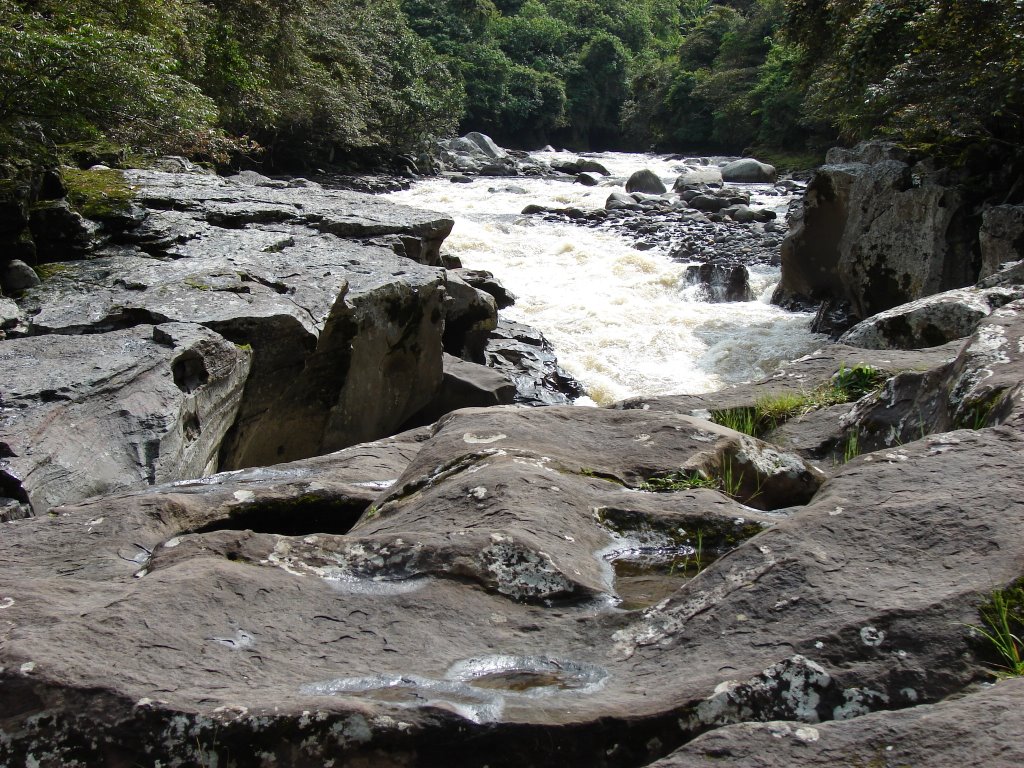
x=473, y=614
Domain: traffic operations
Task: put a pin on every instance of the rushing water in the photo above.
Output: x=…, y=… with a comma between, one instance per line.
x=622, y=320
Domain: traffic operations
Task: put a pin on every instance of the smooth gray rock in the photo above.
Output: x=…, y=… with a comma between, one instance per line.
x=748, y=170
x=346, y=335
x=1001, y=237
x=486, y=145
x=10, y=314
x=620, y=201
x=931, y=321
x=646, y=181
x=94, y=414
x=18, y=276
x=693, y=175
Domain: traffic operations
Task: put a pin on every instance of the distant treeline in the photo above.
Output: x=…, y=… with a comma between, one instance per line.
x=305, y=80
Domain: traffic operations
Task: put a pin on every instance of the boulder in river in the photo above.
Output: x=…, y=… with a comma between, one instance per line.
x=748, y=170
x=646, y=181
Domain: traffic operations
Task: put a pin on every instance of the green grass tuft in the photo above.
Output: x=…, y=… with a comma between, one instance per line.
x=1002, y=618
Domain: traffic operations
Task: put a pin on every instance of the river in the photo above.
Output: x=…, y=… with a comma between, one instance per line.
x=622, y=320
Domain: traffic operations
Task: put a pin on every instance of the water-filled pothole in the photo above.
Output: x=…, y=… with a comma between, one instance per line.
x=527, y=674
x=300, y=516
x=651, y=558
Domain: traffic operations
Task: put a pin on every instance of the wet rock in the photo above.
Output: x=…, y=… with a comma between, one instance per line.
x=485, y=281
x=646, y=181
x=694, y=175
x=619, y=201
x=589, y=179
x=930, y=321
x=525, y=357
x=747, y=170
x=723, y=282
x=89, y=415
x=1001, y=238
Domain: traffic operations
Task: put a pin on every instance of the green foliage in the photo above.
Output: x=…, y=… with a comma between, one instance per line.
x=932, y=72
x=771, y=411
x=542, y=68
x=64, y=68
x=678, y=480
x=1002, y=617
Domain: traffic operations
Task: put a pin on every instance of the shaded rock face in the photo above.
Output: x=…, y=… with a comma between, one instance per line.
x=1001, y=237
x=645, y=181
x=875, y=232
x=475, y=613
x=321, y=293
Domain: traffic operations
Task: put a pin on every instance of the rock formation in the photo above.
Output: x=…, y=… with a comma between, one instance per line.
x=509, y=586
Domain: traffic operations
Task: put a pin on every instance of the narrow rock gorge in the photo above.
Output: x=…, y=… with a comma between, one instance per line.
x=253, y=522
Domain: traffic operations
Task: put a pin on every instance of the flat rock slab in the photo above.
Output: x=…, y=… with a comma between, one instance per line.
x=473, y=614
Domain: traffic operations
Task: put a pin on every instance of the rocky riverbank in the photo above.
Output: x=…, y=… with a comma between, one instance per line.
x=636, y=585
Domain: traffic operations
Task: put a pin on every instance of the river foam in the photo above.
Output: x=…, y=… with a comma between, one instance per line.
x=622, y=320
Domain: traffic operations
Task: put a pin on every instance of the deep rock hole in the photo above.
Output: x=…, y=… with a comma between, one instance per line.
x=293, y=517
x=189, y=371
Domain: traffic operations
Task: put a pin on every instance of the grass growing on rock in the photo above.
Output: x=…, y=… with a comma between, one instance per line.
x=1002, y=617
x=772, y=411
x=98, y=194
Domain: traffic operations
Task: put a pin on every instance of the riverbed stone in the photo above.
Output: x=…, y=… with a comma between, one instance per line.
x=748, y=170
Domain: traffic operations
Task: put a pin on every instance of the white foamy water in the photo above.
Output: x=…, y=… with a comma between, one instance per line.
x=621, y=320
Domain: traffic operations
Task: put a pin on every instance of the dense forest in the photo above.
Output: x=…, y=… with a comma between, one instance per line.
x=296, y=81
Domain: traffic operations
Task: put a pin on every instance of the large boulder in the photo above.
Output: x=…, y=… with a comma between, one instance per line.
x=931, y=321
x=747, y=170
x=875, y=232
x=646, y=181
